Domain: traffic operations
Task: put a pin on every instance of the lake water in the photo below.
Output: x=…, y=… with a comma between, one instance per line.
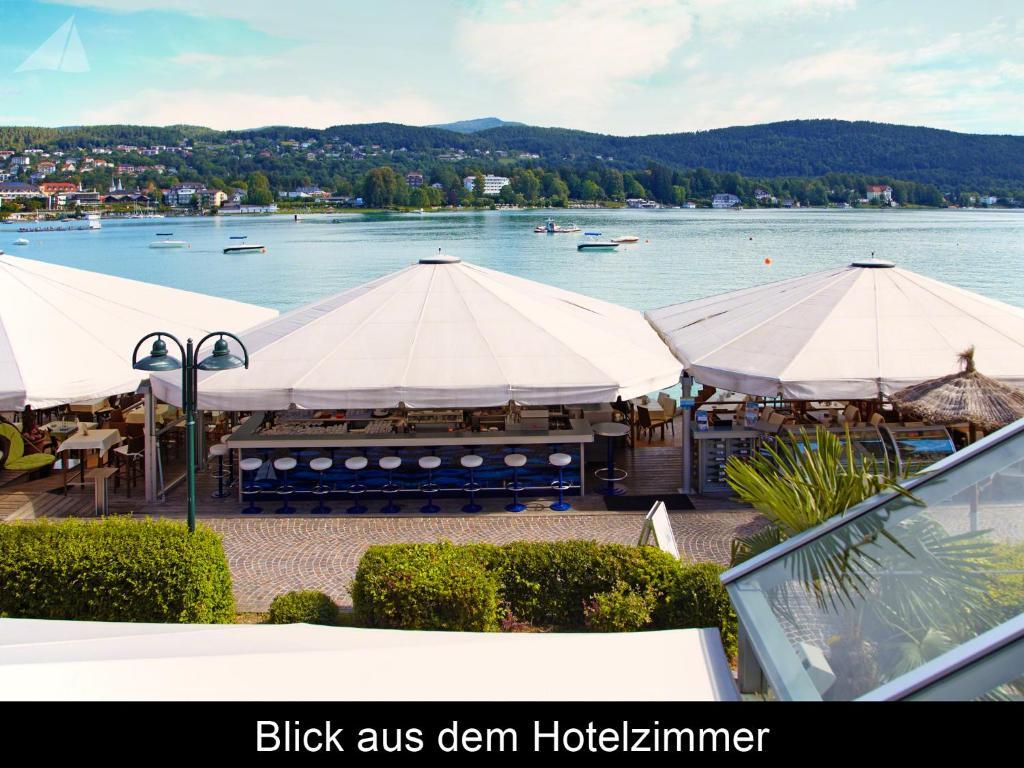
x=682, y=254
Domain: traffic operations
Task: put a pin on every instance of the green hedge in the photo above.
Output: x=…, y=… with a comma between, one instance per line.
x=114, y=569
x=425, y=586
x=547, y=584
x=303, y=607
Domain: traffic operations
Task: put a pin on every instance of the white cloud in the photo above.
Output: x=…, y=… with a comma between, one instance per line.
x=216, y=108
x=576, y=54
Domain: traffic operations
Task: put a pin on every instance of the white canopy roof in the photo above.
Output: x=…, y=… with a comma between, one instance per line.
x=846, y=333
x=83, y=660
x=441, y=333
x=67, y=334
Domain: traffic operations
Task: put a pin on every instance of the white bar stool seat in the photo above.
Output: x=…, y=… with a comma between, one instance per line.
x=471, y=462
x=320, y=465
x=429, y=488
x=284, y=465
x=356, y=464
x=515, y=461
x=389, y=464
x=251, y=465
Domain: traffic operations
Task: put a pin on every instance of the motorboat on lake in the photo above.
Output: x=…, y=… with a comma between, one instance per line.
x=21, y=241
x=626, y=239
x=551, y=228
x=597, y=245
x=246, y=248
x=169, y=244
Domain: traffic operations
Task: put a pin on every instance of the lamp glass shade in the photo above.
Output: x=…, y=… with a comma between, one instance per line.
x=158, y=359
x=221, y=359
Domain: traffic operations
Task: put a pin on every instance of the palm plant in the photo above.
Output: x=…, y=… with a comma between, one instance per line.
x=799, y=484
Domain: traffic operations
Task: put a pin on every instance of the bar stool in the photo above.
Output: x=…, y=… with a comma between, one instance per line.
x=251, y=490
x=357, y=489
x=611, y=474
x=218, y=451
x=231, y=460
x=515, y=460
x=284, y=465
x=561, y=461
x=430, y=463
x=471, y=462
x=389, y=464
x=321, y=465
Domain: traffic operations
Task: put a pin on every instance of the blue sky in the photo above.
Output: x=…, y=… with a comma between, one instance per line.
x=616, y=66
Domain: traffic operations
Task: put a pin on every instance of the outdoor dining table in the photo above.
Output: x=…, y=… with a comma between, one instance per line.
x=100, y=440
x=138, y=415
x=62, y=429
x=89, y=406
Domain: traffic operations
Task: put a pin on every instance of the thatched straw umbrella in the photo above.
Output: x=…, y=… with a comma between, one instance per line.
x=965, y=396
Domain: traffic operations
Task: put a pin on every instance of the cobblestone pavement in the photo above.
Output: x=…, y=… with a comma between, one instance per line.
x=272, y=556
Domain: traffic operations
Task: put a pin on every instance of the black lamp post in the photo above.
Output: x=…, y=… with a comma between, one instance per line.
x=159, y=360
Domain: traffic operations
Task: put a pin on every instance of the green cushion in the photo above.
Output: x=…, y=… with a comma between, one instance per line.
x=15, y=440
x=30, y=462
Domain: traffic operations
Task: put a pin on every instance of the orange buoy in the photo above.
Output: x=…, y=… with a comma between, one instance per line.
x=768, y=262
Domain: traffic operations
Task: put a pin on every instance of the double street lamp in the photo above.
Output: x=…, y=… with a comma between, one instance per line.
x=220, y=360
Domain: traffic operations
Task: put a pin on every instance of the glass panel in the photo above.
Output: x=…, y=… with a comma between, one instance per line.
x=895, y=587
x=996, y=677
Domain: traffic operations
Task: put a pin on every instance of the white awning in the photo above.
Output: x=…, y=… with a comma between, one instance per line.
x=67, y=334
x=80, y=660
x=441, y=333
x=847, y=333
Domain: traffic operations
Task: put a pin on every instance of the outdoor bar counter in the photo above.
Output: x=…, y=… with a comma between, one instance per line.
x=448, y=434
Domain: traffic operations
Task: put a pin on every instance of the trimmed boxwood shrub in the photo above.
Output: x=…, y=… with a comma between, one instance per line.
x=425, y=586
x=546, y=584
x=698, y=599
x=114, y=569
x=306, y=606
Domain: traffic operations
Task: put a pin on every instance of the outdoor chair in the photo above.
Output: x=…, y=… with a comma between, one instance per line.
x=625, y=413
x=648, y=423
x=21, y=456
x=851, y=415
x=668, y=405
x=128, y=459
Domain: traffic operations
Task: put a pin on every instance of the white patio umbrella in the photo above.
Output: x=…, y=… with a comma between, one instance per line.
x=856, y=332
x=75, y=660
x=67, y=334
x=441, y=333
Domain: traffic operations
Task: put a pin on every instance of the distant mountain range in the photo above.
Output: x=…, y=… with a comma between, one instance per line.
x=795, y=148
x=475, y=125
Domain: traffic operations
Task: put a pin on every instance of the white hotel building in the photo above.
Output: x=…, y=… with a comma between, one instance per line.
x=492, y=184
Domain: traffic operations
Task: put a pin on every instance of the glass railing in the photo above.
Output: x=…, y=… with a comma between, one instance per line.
x=895, y=583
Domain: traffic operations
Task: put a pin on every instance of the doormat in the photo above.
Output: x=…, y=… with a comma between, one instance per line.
x=675, y=502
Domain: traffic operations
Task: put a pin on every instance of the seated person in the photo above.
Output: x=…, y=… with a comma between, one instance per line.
x=32, y=434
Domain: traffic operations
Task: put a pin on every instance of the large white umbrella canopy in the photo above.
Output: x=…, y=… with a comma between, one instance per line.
x=441, y=333
x=84, y=660
x=67, y=334
x=854, y=332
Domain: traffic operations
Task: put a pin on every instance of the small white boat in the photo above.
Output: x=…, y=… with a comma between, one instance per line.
x=21, y=241
x=551, y=228
x=597, y=245
x=169, y=244
x=626, y=239
x=246, y=248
